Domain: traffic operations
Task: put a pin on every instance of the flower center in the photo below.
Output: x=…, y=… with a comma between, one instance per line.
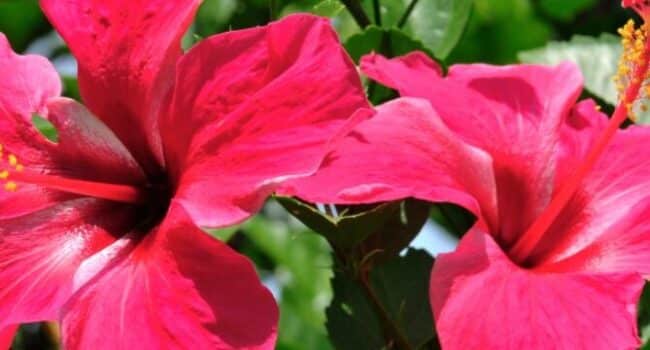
x=13, y=174
x=633, y=72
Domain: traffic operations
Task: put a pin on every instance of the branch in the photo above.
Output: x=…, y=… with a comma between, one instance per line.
x=407, y=14
x=357, y=12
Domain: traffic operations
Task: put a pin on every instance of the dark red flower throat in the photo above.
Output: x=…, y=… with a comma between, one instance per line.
x=151, y=199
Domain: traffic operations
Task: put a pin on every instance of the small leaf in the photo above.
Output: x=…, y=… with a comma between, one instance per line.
x=328, y=8
x=344, y=231
x=440, y=23
x=401, y=286
x=596, y=57
x=382, y=229
x=375, y=39
x=45, y=127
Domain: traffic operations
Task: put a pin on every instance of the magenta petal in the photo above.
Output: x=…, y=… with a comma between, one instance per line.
x=514, y=113
x=177, y=289
x=411, y=74
x=604, y=227
x=7, y=336
x=88, y=148
x=126, y=60
x=27, y=82
x=425, y=159
x=481, y=300
x=41, y=253
x=252, y=108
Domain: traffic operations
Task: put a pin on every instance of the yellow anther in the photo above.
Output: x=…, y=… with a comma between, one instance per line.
x=11, y=186
x=4, y=174
x=13, y=161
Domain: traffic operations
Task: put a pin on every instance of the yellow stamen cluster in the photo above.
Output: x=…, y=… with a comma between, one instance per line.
x=13, y=164
x=633, y=40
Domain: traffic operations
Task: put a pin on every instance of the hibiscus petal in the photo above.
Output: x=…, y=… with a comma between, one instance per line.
x=481, y=300
x=88, y=148
x=41, y=252
x=603, y=227
x=425, y=159
x=412, y=74
x=177, y=289
x=252, y=108
x=126, y=62
x=27, y=82
x=515, y=115
x=7, y=337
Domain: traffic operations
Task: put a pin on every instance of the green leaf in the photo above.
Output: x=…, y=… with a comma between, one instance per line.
x=328, y=8
x=45, y=127
x=596, y=57
x=351, y=322
x=498, y=30
x=384, y=229
x=401, y=287
x=440, y=23
x=375, y=39
x=345, y=231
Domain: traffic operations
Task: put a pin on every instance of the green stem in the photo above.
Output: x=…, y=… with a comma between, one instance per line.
x=392, y=332
x=357, y=12
x=407, y=14
x=377, y=8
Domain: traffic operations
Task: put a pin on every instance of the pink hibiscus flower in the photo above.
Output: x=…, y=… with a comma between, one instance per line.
x=100, y=230
x=508, y=143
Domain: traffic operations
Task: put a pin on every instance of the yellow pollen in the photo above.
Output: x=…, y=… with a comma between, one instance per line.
x=13, y=161
x=11, y=186
x=5, y=171
x=633, y=41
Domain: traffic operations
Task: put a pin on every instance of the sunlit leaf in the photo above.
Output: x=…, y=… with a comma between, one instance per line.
x=328, y=8
x=391, y=42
